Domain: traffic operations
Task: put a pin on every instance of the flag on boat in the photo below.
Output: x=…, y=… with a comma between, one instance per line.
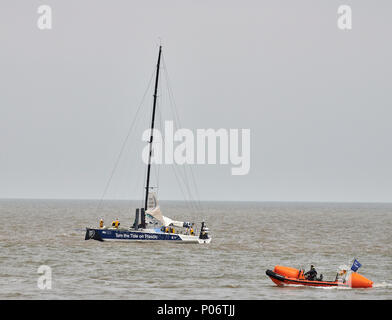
x=356, y=265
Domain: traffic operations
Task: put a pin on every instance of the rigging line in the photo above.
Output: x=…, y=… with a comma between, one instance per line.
x=138, y=178
x=170, y=93
x=155, y=109
x=181, y=184
x=188, y=203
x=175, y=111
x=159, y=119
x=184, y=178
x=124, y=143
x=144, y=170
x=160, y=116
x=180, y=181
x=142, y=190
x=184, y=186
x=189, y=187
x=177, y=123
x=196, y=189
x=152, y=128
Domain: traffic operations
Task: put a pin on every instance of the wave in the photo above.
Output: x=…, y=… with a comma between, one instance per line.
x=382, y=285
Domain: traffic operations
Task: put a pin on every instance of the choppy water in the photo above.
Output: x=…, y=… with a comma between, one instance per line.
x=248, y=238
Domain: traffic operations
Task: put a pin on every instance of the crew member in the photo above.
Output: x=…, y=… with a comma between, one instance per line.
x=311, y=274
x=101, y=223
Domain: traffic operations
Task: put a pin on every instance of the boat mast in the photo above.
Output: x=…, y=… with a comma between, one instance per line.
x=152, y=128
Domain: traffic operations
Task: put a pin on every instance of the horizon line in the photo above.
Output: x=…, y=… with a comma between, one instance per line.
x=181, y=200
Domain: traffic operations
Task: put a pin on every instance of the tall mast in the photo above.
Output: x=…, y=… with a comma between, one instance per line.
x=152, y=128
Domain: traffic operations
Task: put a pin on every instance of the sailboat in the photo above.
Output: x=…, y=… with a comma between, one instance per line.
x=150, y=224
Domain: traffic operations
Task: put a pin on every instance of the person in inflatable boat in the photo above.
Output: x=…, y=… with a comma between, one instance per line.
x=311, y=274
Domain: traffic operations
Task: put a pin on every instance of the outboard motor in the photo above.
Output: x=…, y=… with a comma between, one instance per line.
x=320, y=278
x=204, y=231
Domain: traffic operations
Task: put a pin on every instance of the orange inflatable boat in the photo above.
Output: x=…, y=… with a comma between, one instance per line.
x=290, y=276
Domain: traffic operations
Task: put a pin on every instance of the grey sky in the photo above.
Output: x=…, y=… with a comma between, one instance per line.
x=317, y=99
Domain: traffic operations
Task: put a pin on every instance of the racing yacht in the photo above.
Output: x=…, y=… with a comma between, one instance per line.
x=150, y=224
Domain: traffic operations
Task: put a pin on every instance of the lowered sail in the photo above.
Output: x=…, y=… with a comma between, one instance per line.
x=154, y=211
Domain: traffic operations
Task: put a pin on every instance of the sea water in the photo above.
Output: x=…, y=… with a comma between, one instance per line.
x=248, y=239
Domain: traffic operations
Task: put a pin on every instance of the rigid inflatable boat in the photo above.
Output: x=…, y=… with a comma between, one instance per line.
x=290, y=276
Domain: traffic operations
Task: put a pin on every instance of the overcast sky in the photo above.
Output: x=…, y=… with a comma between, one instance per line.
x=317, y=99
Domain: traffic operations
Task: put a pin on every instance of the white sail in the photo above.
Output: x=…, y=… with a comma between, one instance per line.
x=154, y=210
x=152, y=201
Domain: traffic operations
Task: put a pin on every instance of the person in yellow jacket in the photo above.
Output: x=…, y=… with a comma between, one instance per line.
x=101, y=223
x=116, y=223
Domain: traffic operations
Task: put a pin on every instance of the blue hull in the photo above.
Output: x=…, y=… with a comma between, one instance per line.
x=111, y=234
